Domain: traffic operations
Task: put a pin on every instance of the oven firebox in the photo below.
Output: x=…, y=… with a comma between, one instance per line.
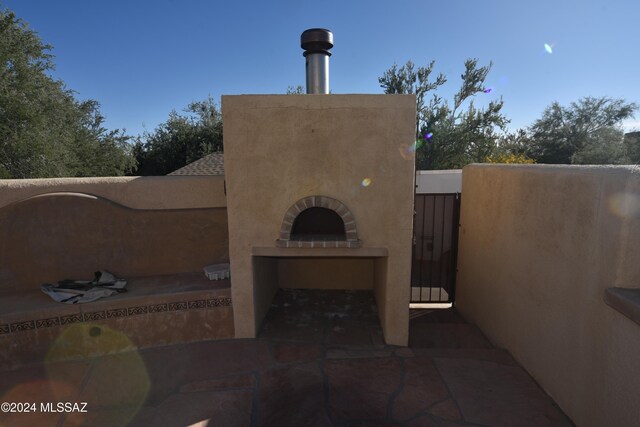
x=318, y=222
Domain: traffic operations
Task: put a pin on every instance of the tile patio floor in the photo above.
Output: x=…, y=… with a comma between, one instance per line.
x=319, y=361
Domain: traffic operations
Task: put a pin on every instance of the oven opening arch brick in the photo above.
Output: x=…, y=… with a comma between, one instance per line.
x=287, y=239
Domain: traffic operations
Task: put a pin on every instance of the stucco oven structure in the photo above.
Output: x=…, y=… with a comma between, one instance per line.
x=319, y=195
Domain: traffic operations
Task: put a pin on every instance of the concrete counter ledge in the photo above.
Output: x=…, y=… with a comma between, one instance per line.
x=369, y=252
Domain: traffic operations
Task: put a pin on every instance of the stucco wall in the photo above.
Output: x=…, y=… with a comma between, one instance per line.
x=49, y=232
x=538, y=247
x=136, y=192
x=280, y=149
x=328, y=273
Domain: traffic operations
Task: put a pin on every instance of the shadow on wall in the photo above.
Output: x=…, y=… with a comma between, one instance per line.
x=70, y=235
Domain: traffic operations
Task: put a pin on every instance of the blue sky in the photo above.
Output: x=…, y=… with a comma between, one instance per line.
x=141, y=59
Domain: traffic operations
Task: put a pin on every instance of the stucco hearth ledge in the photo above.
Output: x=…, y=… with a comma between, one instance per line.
x=362, y=252
x=626, y=301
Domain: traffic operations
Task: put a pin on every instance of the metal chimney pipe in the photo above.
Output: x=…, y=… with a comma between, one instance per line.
x=316, y=43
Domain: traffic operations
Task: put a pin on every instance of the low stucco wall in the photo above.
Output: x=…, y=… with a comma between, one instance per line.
x=136, y=192
x=56, y=229
x=538, y=247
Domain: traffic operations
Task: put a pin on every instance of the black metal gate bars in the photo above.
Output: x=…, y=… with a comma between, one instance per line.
x=435, y=248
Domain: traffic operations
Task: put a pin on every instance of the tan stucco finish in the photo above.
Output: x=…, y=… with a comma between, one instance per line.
x=280, y=149
x=148, y=192
x=327, y=273
x=538, y=247
x=51, y=237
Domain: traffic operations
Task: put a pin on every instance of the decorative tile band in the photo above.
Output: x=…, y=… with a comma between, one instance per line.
x=178, y=306
x=158, y=308
x=114, y=314
x=119, y=312
x=218, y=302
x=72, y=318
x=46, y=323
x=95, y=315
x=134, y=311
x=23, y=326
x=193, y=305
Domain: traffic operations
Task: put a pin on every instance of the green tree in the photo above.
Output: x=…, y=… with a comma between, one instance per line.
x=44, y=130
x=295, y=90
x=448, y=136
x=182, y=139
x=631, y=143
x=586, y=132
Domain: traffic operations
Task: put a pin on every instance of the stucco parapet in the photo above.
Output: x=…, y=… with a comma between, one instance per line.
x=152, y=192
x=310, y=102
x=621, y=170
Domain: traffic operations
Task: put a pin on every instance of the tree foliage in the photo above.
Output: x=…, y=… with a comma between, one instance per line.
x=44, y=130
x=295, y=90
x=631, y=143
x=508, y=158
x=585, y=132
x=448, y=136
x=182, y=139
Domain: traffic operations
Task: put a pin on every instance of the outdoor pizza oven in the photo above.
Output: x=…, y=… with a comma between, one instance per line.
x=319, y=195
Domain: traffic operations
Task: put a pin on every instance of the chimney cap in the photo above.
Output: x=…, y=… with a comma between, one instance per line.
x=316, y=40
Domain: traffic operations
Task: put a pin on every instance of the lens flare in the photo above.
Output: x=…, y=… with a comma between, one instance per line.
x=366, y=182
x=625, y=205
x=40, y=390
x=119, y=380
x=488, y=90
x=428, y=136
x=407, y=151
x=548, y=48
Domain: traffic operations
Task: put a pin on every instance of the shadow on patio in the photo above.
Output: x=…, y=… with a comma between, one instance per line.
x=320, y=361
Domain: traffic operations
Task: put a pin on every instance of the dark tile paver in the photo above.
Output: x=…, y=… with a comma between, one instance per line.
x=285, y=352
x=487, y=354
x=240, y=381
x=119, y=415
x=425, y=421
x=117, y=380
x=223, y=408
x=447, y=335
x=419, y=316
x=498, y=395
x=293, y=396
x=446, y=410
x=319, y=361
x=171, y=367
x=362, y=388
x=423, y=387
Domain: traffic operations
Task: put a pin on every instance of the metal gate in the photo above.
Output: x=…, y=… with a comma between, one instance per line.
x=435, y=248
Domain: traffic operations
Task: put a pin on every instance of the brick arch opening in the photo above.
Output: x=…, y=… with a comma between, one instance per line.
x=310, y=215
